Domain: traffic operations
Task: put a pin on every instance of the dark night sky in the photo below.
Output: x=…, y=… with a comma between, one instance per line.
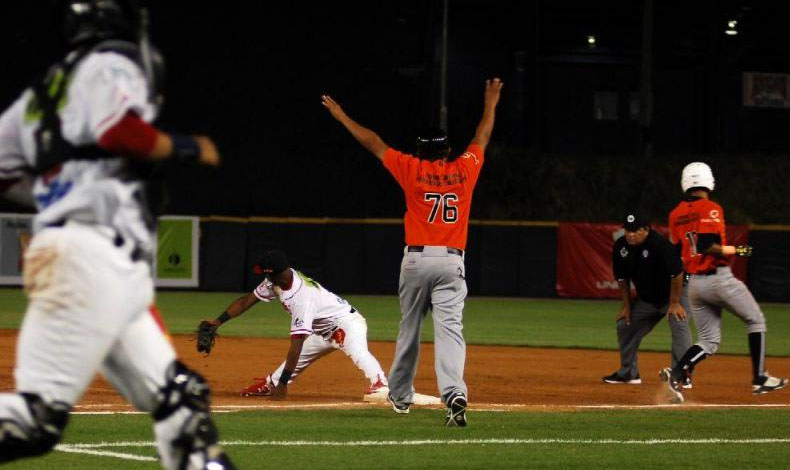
x=250, y=74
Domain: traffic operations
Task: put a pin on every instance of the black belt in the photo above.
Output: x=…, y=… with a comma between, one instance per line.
x=707, y=273
x=136, y=254
x=451, y=250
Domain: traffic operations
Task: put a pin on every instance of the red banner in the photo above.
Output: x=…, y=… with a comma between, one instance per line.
x=584, y=257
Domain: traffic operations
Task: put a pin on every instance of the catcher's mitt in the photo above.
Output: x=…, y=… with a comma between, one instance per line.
x=206, y=334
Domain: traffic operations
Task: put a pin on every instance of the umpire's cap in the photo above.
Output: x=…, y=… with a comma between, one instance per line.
x=272, y=263
x=634, y=220
x=432, y=144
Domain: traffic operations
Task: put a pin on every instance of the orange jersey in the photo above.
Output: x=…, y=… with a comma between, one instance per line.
x=689, y=219
x=438, y=195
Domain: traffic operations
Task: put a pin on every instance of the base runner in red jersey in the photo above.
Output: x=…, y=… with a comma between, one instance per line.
x=697, y=226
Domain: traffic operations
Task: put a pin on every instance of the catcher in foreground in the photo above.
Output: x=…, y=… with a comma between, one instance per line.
x=320, y=323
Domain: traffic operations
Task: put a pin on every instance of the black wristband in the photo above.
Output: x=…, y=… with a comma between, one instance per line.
x=185, y=148
x=224, y=317
x=285, y=376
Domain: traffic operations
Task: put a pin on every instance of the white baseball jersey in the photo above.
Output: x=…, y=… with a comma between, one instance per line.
x=101, y=89
x=313, y=309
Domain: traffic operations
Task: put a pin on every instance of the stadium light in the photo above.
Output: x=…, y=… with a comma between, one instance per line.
x=731, y=28
x=591, y=40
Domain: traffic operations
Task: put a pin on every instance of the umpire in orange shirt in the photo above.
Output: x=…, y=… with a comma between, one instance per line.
x=438, y=193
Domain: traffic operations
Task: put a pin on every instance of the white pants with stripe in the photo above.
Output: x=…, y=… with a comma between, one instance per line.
x=355, y=346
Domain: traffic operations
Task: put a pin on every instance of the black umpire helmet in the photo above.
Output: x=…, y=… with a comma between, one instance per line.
x=87, y=21
x=432, y=144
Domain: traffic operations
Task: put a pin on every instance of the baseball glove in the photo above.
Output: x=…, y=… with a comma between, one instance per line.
x=206, y=335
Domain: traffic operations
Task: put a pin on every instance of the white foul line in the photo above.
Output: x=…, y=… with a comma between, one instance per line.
x=79, y=449
x=424, y=442
x=89, y=448
x=482, y=407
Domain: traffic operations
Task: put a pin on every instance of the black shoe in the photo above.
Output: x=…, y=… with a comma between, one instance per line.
x=618, y=379
x=400, y=409
x=673, y=385
x=456, y=411
x=766, y=384
x=686, y=382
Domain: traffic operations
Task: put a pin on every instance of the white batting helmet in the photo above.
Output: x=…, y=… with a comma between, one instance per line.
x=697, y=175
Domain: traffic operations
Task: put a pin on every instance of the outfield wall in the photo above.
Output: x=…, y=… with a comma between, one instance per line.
x=362, y=256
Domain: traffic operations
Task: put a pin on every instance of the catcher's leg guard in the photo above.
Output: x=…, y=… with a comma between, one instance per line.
x=32, y=429
x=187, y=438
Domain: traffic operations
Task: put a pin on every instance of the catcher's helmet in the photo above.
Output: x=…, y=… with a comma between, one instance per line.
x=432, y=144
x=86, y=21
x=697, y=175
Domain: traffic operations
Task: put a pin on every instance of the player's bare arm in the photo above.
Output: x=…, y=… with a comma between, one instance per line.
x=236, y=308
x=625, y=295
x=676, y=290
x=369, y=139
x=490, y=99
x=710, y=244
x=281, y=390
x=132, y=137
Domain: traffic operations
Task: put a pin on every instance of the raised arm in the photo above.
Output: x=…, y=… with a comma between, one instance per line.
x=369, y=139
x=490, y=100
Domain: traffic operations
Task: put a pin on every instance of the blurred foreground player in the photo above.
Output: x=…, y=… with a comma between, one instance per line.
x=82, y=132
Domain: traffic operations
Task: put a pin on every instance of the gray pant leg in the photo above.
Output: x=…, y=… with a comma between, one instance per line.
x=703, y=300
x=448, y=297
x=681, y=330
x=414, y=294
x=737, y=298
x=644, y=318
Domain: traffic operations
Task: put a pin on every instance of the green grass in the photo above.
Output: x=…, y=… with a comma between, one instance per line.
x=270, y=428
x=521, y=322
x=517, y=322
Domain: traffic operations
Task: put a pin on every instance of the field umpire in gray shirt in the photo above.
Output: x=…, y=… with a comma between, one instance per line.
x=653, y=264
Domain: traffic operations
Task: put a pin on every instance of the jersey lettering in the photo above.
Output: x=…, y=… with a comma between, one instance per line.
x=447, y=202
x=57, y=190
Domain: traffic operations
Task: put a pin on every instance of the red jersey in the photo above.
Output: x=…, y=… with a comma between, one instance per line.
x=689, y=219
x=438, y=195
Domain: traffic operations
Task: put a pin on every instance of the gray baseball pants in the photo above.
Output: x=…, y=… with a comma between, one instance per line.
x=644, y=317
x=709, y=294
x=432, y=279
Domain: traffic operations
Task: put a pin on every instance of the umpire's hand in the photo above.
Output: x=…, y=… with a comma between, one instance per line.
x=677, y=310
x=625, y=315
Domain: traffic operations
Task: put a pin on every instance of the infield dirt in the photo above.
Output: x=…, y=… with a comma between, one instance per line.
x=534, y=377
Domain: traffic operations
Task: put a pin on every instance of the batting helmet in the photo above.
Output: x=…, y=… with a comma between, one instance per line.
x=86, y=21
x=697, y=175
x=432, y=144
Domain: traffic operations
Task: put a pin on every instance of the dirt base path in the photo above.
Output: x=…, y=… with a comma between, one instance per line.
x=494, y=374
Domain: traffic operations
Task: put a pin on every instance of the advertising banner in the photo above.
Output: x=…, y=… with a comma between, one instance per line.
x=584, y=258
x=176, y=263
